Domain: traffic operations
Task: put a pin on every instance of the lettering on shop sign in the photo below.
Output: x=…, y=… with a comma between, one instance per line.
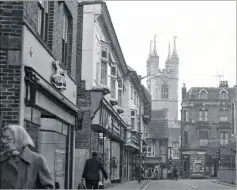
x=58, y=78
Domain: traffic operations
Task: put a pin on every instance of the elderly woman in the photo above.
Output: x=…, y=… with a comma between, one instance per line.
x=20, y=167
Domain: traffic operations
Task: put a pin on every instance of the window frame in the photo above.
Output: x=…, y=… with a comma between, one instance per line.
x=223, y=95
x=133, y=117
x=43, y=19
x=120, y=90
x=65, y=35
x=201, y=93
x=104, y=73
x=150, y=153
x=164, y=91
x=186, y=116
x=203, y=117
x=224, y=118
x=224, y=139
x=202, y=140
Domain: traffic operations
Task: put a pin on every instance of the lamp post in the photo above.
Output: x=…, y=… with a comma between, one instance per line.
x=140, y=123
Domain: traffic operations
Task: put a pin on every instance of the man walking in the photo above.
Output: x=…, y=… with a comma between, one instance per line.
x=91, y=172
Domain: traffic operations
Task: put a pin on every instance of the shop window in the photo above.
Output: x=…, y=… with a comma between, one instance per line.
x=54, y=146
x=43, y=22
x=224, y=136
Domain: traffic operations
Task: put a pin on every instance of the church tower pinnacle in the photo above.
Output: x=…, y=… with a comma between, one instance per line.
x=168, y=60
x=150, y=48
x=154, y=49
x=174, y=48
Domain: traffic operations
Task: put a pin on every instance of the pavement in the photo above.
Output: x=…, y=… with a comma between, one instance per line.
x=181, y=184
x=130, y=185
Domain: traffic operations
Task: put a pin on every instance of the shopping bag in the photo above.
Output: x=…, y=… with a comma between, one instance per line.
x=81, y=185
x=101, y=185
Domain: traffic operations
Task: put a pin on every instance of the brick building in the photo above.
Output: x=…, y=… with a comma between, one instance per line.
x=206, y=126
x=38, y=83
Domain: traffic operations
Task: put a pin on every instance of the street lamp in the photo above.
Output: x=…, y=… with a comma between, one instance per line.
x=140, y=89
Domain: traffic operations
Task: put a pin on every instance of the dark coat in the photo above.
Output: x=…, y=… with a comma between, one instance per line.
x=92, y=170
x=30, y=171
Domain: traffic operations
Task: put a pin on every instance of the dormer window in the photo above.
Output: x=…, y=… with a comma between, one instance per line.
x=223, y=94
x=203, y=94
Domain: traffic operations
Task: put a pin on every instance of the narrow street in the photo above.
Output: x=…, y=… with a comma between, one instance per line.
x=187, y=184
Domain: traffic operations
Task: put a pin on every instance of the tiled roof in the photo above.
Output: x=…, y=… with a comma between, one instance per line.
x=211, y=90
x=159, y=128
x=174, y=133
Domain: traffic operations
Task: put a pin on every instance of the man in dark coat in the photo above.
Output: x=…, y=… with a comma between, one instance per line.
x=20, y=168
x=91, y=172
x=175, y=173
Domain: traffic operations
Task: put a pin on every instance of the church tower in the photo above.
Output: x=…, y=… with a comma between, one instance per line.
x=152, y=67
x=164, y=86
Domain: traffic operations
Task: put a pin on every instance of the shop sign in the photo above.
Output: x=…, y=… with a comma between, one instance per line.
x=59, y=162
x=58, y=78
x=193, y=152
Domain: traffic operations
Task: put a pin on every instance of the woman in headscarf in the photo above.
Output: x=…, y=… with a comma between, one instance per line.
x=20, y=167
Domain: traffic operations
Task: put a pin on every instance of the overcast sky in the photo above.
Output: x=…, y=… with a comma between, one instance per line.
x=206, y=32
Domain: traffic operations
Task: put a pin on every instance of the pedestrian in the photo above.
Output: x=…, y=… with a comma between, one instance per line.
x=56, y=185
x=175, y=173
x=91, y=172
x=149, y=174
x=20, y=167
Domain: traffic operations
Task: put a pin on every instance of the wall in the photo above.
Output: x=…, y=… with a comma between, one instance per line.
x=10, y=61
x=41, y=61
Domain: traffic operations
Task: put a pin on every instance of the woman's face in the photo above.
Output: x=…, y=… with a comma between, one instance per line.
x=8, y=139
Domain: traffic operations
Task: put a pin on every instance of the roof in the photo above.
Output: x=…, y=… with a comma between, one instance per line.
x=174, y=133
x=212, y=93
x=213, y=90
x=159, y=128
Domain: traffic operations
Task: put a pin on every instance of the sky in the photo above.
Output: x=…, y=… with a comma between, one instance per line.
x=205, y=30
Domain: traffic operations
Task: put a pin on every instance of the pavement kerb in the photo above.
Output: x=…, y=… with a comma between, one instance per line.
x=222, y=183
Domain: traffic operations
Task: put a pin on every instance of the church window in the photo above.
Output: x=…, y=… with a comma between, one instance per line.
x=164, y=92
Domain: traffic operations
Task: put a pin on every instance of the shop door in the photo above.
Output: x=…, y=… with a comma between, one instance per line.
x=186, y=167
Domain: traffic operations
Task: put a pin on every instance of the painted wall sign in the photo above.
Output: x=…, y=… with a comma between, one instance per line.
x=58, y=78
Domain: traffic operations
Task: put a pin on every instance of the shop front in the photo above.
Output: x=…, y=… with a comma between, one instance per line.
x=49, y=109
x=132, y=152
x=194, y=164
x=111, y=132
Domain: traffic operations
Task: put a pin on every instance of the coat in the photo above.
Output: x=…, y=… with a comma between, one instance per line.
x=92, y=170
x=30, y=171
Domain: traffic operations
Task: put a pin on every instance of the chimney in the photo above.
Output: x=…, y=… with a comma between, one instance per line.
x=223, y=84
